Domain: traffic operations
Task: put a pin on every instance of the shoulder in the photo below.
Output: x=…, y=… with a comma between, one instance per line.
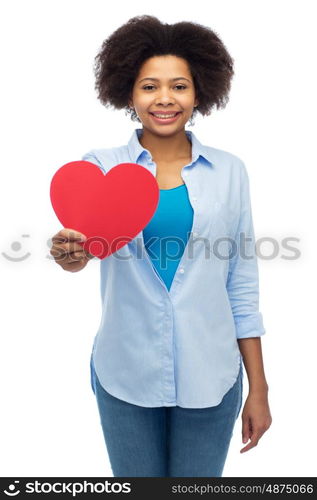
x=226, y=165
x=223, y=157
x=107, y=158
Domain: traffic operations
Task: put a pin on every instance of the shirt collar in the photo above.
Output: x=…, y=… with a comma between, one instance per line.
x=136, y=149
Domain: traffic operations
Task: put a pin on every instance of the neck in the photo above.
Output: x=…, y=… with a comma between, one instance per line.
x=166, y=149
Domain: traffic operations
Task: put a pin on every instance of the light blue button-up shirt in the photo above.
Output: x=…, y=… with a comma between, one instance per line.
x=158, y=347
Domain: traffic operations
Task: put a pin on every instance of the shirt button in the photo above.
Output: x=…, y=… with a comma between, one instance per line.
x=194, y=199
x=181, y=270
x=195, y=234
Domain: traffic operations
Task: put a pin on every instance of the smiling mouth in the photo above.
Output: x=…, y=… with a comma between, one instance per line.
x=165, y=116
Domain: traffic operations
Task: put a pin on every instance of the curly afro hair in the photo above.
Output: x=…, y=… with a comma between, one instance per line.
x=121, y=56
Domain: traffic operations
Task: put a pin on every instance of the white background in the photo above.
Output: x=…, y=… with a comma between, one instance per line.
x=50, y=115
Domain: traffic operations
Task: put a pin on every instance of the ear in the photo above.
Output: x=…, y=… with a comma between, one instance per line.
x=196, y=103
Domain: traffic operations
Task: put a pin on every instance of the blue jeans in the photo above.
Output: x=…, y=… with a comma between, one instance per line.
x=167, y=441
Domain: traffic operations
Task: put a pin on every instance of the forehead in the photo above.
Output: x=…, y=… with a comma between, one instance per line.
x=160, y=66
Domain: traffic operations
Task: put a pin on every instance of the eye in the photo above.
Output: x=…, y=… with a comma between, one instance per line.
x=179, y=86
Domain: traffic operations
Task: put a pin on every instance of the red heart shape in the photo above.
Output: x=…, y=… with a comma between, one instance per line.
x=110, y=209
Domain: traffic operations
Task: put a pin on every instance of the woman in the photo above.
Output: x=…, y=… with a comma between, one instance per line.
x=180, y=301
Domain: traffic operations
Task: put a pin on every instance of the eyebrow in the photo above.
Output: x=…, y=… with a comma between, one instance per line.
x=171, y=79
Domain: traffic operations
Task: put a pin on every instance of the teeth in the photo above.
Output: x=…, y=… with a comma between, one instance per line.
x=164, y=116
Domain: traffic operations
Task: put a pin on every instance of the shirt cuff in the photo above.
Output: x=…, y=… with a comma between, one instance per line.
x=249, y=326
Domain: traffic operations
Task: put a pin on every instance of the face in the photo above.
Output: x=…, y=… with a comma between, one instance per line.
x=164, y=85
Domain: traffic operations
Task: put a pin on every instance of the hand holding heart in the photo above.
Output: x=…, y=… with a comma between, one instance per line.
x=110, y=210
x=67, y=250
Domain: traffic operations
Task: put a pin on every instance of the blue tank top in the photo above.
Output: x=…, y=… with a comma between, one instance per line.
x=167, y=233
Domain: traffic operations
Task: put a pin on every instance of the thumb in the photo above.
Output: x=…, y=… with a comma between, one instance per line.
x=88, y=255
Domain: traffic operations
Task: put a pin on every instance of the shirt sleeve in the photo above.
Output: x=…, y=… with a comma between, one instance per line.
x=92, y=158
x=243, y=280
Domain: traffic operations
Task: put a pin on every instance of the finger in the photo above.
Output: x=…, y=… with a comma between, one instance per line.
x=73, y=265
x=246, y=429
x=68, y=235
x=61, y=254
x=254, y=439
x=65, y=249
x=68, y=252
x=89, y=255
x=58, y=252
x=75, y=256
x=72, y=246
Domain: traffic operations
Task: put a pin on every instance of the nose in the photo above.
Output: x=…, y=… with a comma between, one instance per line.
x=164, y=98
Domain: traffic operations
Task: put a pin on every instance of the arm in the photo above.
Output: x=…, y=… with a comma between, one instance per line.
x=243, y=293
x=256, y=415
x=251, y=351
